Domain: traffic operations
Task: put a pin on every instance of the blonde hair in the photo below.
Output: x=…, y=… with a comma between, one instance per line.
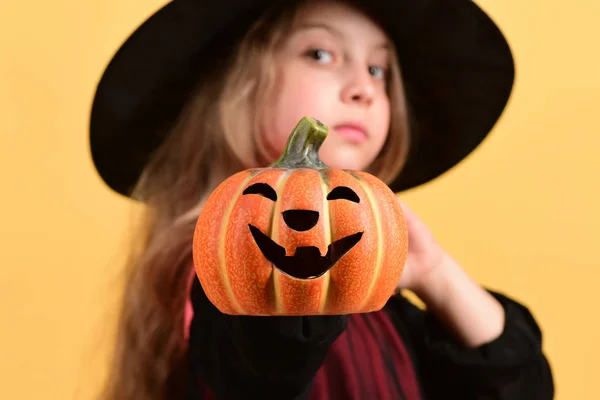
x=210, y=141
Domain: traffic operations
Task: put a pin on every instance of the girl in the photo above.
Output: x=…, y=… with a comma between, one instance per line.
x=408, y=89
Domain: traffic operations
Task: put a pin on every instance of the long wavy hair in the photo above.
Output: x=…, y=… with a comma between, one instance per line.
x=211, y=140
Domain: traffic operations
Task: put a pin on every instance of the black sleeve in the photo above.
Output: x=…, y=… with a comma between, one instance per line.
x=247, y=357
x=512, y=366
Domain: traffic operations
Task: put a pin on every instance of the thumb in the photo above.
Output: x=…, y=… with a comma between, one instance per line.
x=409, y=216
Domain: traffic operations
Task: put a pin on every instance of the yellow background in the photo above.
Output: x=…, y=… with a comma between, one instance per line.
x=521, y=215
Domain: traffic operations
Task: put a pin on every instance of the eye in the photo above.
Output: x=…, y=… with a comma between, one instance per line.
x=262, y=189
x=377, y=72
x=343, y=193
x=320, y=55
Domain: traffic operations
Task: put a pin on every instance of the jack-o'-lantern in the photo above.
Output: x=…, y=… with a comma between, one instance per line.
x=300, y=238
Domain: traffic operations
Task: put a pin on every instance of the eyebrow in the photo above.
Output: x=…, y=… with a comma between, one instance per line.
x=332, y=30
x=318, y=25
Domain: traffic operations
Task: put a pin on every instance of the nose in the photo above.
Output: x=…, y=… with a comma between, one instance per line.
x=359, y=88
x=300, y=220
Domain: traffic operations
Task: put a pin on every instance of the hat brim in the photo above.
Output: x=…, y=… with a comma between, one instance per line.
x=457, y=67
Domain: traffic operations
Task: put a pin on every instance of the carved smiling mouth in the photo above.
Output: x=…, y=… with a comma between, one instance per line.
x=307, y=262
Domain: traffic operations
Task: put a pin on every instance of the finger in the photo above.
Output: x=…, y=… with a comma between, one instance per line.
x=410, y=217
x=405, y=278
x=405, y=208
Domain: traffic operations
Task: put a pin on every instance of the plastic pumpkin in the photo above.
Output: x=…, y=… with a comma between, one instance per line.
x=300, y=238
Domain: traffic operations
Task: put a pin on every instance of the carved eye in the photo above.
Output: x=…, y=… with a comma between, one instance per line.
x=343, y=192
x=262, y=189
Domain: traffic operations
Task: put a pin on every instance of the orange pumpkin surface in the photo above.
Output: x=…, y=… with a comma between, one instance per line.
x=300, y=238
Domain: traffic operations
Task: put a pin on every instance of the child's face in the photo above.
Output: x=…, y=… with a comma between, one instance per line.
x=333, y=67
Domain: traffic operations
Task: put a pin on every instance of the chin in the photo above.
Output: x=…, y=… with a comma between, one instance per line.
x=345, y=158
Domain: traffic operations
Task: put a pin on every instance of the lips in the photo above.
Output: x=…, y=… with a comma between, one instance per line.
x=307, y=262
x=353, y=131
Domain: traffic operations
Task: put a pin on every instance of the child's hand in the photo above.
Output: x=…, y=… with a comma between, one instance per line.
x=471, y=313
x=424, y=253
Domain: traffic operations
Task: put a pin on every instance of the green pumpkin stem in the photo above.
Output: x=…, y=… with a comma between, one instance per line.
x=302, y=148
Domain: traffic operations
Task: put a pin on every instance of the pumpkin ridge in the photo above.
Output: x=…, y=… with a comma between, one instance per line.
x=328, y=231
x=380, y=239
x=222, y=241
x=273, y=234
